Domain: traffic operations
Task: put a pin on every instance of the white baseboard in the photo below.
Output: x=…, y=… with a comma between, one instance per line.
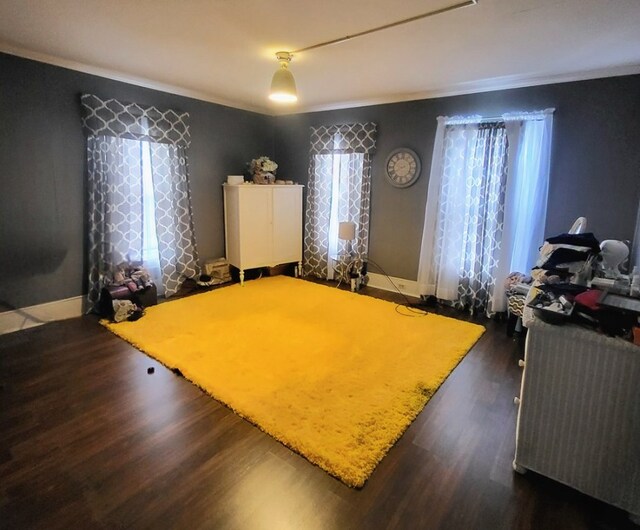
x=380, y=281
x=36, y=315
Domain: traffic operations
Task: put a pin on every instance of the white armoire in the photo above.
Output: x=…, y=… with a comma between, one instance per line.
x=263, y=225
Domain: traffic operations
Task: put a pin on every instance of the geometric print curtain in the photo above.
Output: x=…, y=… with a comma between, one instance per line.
x=174, y=217
x=115, y=135
x=470, y=216
x=110, y=117
x=114, y=206
x=339, y=191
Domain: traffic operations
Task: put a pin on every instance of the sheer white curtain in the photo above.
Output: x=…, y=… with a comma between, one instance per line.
x=526, y=195
x=478, y=228
x=150, y=252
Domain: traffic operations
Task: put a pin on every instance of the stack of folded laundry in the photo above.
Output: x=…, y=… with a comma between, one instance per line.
x=567, y=258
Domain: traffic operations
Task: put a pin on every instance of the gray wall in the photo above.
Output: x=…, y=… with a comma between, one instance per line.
x=42, y=167
x=595, y=168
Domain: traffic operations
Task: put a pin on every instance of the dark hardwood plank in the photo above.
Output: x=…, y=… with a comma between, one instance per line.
x=88, y=439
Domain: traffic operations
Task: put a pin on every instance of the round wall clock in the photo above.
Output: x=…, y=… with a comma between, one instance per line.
x=403, y=167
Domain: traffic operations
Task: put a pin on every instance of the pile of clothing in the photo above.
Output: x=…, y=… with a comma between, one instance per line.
x=126, y=310
x=126, y=292
x=563, y=271
x=564, y=274
x=133, y=276
x=567, y=258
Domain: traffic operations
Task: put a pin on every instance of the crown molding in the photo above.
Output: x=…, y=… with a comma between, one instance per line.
x=126, y=78
x=474, y=87
x=471, y=87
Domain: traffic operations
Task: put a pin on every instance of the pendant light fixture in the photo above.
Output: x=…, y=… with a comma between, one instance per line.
x=283, y=85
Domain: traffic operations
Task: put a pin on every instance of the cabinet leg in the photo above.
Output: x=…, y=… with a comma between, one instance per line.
x=299, y=269
x=241, y=277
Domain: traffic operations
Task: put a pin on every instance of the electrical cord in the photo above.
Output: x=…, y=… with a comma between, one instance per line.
x=409, y=305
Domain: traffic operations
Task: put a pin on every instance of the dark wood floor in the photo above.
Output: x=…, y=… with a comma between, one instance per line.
x=90, y=440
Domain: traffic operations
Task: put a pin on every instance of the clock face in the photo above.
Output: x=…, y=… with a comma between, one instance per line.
x=403, y=167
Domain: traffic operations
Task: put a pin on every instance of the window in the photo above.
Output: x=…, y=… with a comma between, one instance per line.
x=343, y=174
x=139, y=203
x=339, y=191
x=486, y=206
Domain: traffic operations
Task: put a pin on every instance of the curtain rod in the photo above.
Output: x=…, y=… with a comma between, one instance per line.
x=507, y=116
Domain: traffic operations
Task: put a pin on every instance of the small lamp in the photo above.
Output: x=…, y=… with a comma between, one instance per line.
x=283, y=85
x=347, y=231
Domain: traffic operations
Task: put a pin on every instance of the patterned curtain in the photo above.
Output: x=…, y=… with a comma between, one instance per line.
x=339, y=191
x=174, y=218
x=115, y=135
x=115, y=231
x=470, y=214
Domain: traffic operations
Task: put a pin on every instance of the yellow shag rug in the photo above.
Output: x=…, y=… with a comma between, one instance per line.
x=335, y=376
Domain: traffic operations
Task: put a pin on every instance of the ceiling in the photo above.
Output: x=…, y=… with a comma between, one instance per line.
x=223, y=50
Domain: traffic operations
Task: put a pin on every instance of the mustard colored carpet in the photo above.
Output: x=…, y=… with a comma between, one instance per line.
x=335, y=376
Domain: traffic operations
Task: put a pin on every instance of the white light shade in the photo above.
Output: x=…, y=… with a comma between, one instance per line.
x=283, y=85
x=347, y=231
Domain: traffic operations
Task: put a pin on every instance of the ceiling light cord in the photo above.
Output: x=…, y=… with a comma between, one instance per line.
x=283, y=85
x=428, y=14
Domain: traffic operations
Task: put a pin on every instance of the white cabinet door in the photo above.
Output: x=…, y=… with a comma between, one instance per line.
x=256, y=227
x=287, y=224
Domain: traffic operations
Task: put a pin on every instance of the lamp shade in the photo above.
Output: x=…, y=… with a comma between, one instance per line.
x=347, y=231
x=283, y=85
